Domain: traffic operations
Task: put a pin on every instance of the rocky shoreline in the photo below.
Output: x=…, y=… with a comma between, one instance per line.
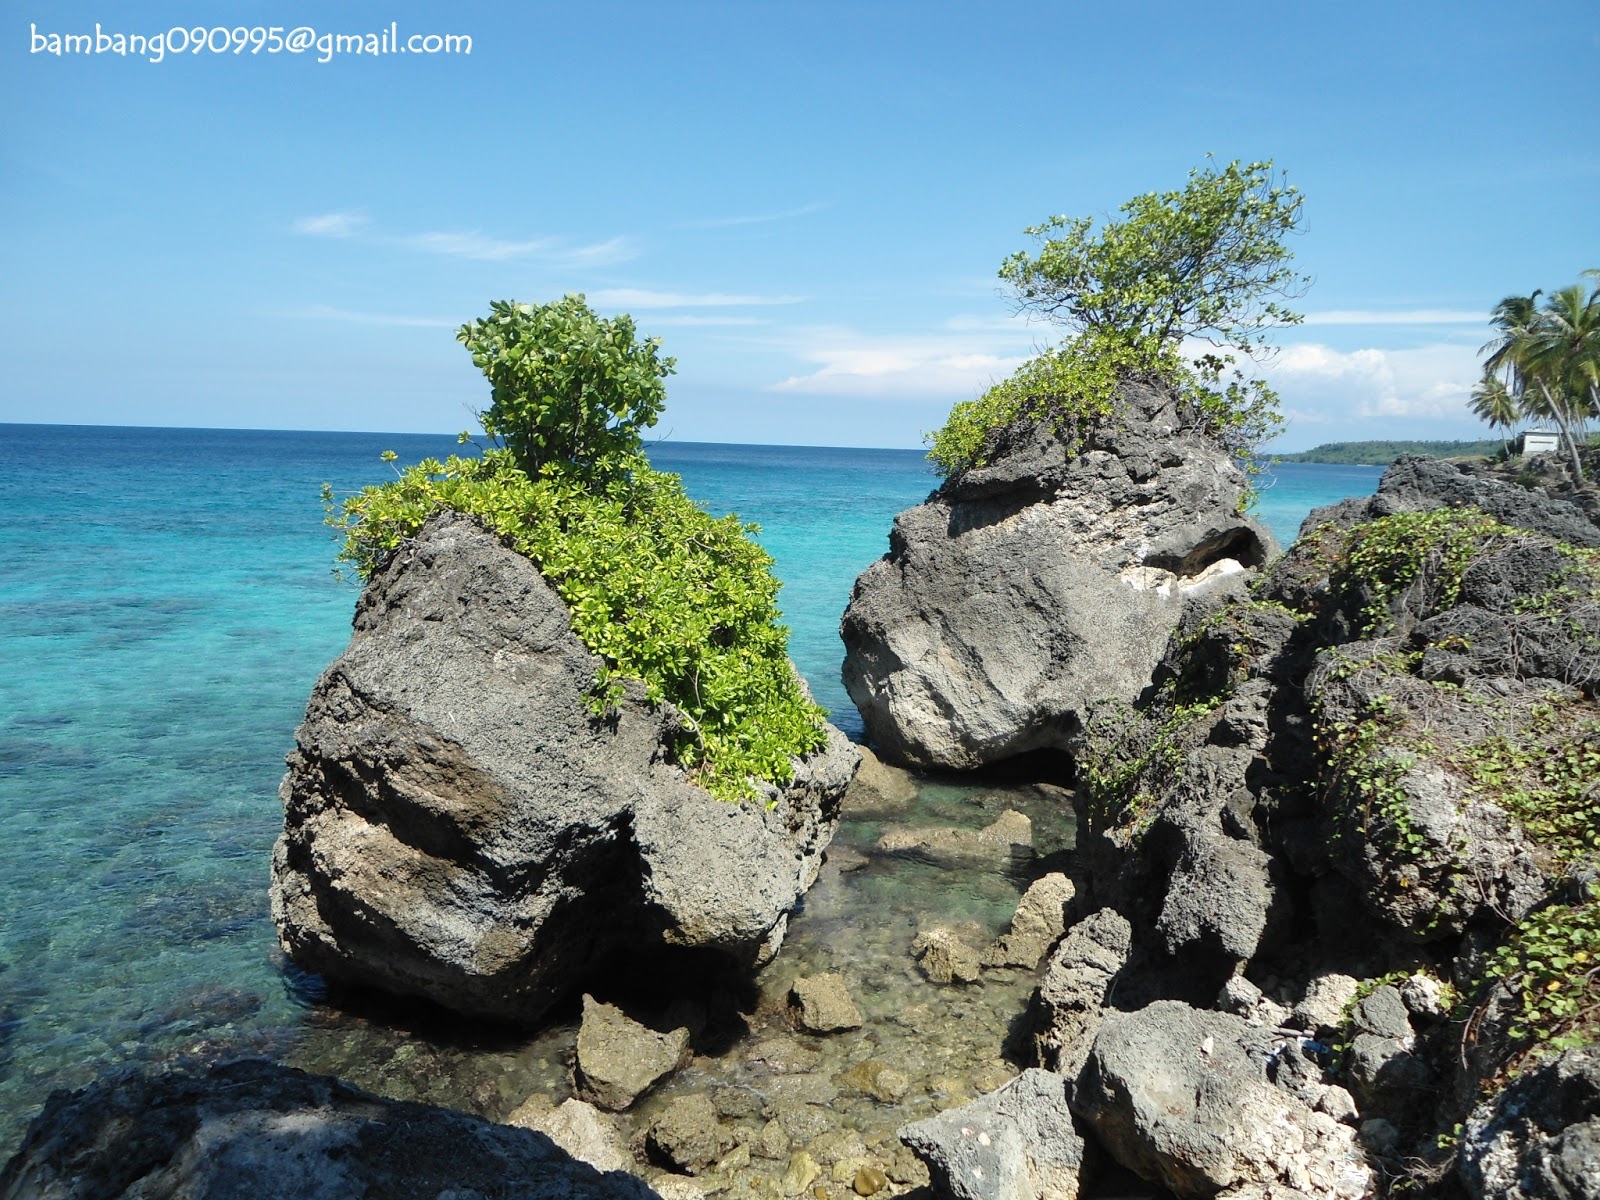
x=1330, y=821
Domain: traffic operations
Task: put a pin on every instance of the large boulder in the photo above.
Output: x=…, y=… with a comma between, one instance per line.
x=1539, y=1136
x=252, y=1129
x=1050, y=578
x=460, y=826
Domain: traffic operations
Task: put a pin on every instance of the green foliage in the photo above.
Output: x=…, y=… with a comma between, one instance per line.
x=1364, y=760
x=1384, y=558
x=1131, y=759
x=1206, y=262
x=1551, y=964
x=657, y=588
x=1382, y=453
x=567, y=386
x=1547, y=779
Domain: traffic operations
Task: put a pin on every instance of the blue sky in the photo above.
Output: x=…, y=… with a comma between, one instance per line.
x=807, y=202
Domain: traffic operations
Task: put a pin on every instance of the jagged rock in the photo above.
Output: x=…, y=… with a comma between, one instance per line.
x=583, y=1131
x=884, y=1083
x=822, y=1004
x=878, y=788
x=784, y=1055
x=1181, y=1097
x=1325, y=999
x=1244, y=999
x=686, y=1137
x=1067, y=1006
x=459, y=826
x=619, y=1059
x=1017, y=1143
x=1539, y=1136
x=800, y=1174
x=944, y=958
x=1021, y=591
x=1007, y=836
x=251, y=1129
x=1040, y=919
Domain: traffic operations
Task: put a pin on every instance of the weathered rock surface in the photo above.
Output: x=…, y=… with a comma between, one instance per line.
x=1040, y=919
x=1181, y=1096
x=685, y=1137
x=1068, y=1005
x=459, y=826
x=618, y=1059
x=246, y=1130
x=1540, y=1137
x=1020, y=592
x=822, y=1004
x=584, y=1132
x=1017, y=1143
x=878, y=788
x=1008, y=836
x=944, y=958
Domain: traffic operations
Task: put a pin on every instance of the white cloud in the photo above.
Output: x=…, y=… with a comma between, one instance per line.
x=1412, y=316
x=334, y=224
x=756, y=219
x=647, y=298
x=325, y=312
x=932, y=366
x=474, y=245
x=680, y=319
x=1427, y=382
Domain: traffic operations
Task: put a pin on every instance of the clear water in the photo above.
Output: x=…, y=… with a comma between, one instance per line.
x=166, y=603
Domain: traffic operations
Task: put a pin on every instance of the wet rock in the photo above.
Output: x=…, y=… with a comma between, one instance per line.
x=879, y=790
x=1040, y=919
x=869, y=1181
x=583, y=1131
x=1023, y=590
x=686, y=1137
x=619, y=1059
x=1539, y=1136
x=800, y=1174
x=1008, y=836
x=1067, y=1007
x=802, y=1122
x=772, y=1141
x=877, y=1079
x=1181, y=1096
x=784, y=1055
x=459, y=826
x=1018, y=1143
x=822, y=1004
x=258, y=1129
x=945, y=958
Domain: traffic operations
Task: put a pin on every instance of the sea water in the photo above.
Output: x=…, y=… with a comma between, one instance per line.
x=167, y=602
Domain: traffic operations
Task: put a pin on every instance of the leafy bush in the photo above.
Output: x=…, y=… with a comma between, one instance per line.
x=660, y=590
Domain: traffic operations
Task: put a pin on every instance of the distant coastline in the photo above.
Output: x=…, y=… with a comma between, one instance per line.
x=1381, y=454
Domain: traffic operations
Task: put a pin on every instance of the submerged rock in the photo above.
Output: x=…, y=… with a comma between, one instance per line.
x=685, y=1137
x=822, y=1004
x=1006, y=837
x=1018, y=1143
x=458, y=824
x=252, y=1129
x=944, y=958
x=1024, y=590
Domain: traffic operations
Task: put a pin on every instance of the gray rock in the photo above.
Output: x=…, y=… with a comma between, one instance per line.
x=1008, y=836
x=1017, y=1143
x=1181, y=1097
x=686, y=1137
x=459, y=826
x=1067, y=1006
x=945, y=958
x=619, y=1059
x=1323, y=1004
x=584, y=1132
x=1383, y=1013
x=822, y=1004
x=1539, y=1136
x=1020, y=592
x=251, y=1129
x=1040, y=919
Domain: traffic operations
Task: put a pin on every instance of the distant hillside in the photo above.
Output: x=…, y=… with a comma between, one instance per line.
x=1381, y=454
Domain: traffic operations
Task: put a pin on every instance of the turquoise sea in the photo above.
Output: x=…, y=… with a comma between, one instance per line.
x=166, y=602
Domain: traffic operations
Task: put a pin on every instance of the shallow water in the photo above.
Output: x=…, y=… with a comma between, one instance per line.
x=166, y=605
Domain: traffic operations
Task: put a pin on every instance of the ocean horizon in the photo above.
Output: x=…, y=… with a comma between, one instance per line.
x=169, y=602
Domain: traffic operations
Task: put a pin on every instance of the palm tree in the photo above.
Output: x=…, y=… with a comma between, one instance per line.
x=1547, y=361
x=1493, y=402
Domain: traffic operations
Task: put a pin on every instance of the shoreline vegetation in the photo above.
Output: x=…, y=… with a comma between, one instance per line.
x=1382, y=453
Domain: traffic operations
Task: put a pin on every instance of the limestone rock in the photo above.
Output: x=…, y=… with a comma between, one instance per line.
x=1181, y=1096
x=884, y=1083
x=879, y=789
x=944, y=958
x=1007, y=836
x=249, y=1129
x=584, y=1132
x=1066, y=1008
x=822, y=1004
x=1018, y=1143
x=1040, y=919
x=1021, y=591
x=1540, y=1136
x=685, y=1137
x=459, y=826
x=619, y=1059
